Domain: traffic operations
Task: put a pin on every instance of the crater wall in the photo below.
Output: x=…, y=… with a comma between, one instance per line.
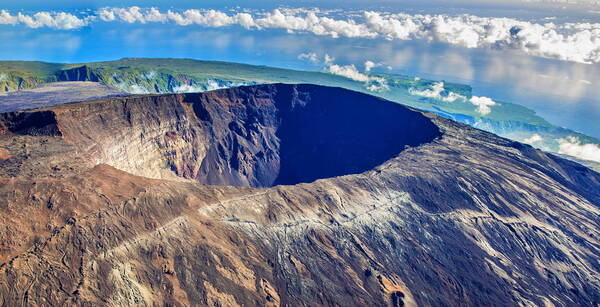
x=248, y=136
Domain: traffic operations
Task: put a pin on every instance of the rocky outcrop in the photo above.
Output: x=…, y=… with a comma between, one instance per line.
x=30, y=123
x=324, y=197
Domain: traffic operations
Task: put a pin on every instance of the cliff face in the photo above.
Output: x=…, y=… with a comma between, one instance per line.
x=105, y=203
x=146, y=80
x=252, y=136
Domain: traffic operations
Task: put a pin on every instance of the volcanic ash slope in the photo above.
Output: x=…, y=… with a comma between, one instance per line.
x=285, y=195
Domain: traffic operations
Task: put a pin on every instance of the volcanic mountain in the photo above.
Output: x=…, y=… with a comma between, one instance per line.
x=285, y=195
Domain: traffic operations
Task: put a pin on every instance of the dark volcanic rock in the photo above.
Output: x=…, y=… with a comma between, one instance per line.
x=81, y=73
x=104, y=203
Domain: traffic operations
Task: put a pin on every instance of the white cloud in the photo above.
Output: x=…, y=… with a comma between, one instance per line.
x=212, y=85
x=372, y=83
x=483, y=104
x=107, y=15
x=535, y=138
x=578, y=42
x=370, y=65
x=570, y=2
x=572, y=146
x=132, y=14
x=569, y=41
x=210, y=18
x=132, y=88
x=7, y=19
x=186, y=88
x=348, y=71
x=137, y=89
x=209, y=85
x=309, y=56
x=437, y=91
x=328, y=59
x=155, y=15
x=377, y=84
x=60, y=20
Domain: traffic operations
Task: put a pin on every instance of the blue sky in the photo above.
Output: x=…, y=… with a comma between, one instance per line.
x=556, y=76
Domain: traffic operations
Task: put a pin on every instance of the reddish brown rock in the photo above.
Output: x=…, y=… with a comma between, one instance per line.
x=319, y=196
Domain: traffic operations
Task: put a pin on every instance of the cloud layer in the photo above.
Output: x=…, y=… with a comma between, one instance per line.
x=371, y=83
x=483, y=104
x=578, y=42
x=535, y=138
x=572, y=146
x=437, y=91
x=54, y=20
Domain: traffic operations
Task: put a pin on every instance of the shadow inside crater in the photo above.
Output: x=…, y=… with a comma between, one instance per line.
x=328, y=132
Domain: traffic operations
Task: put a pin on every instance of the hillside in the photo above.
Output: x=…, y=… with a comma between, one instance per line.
x=229, y=198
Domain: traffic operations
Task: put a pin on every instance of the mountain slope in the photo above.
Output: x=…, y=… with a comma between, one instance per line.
x=140, y=76
x=434, y=212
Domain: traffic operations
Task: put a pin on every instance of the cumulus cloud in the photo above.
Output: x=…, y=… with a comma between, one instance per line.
x=309, y=56
x=437, y=91
x=570, y=41
x=572, y=146
x=535, y=138
x=370, y=65
x=132, y=14
x=209, y=18
x=377, y=84
x=483, y=104
x=328, y=59
x=348, y=71
x=60, y=20
x=7, y=19
x=578, y=42
x=208, y=85
x=132, y=88
x=186, y=88
x=372, y=83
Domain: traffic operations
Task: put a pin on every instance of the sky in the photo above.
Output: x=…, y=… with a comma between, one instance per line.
x=541, y=54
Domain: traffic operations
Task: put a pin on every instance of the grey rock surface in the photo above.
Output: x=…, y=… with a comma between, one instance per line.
x=49, y=94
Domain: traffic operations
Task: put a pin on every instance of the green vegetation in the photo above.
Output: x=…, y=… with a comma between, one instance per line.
x=15, y=75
